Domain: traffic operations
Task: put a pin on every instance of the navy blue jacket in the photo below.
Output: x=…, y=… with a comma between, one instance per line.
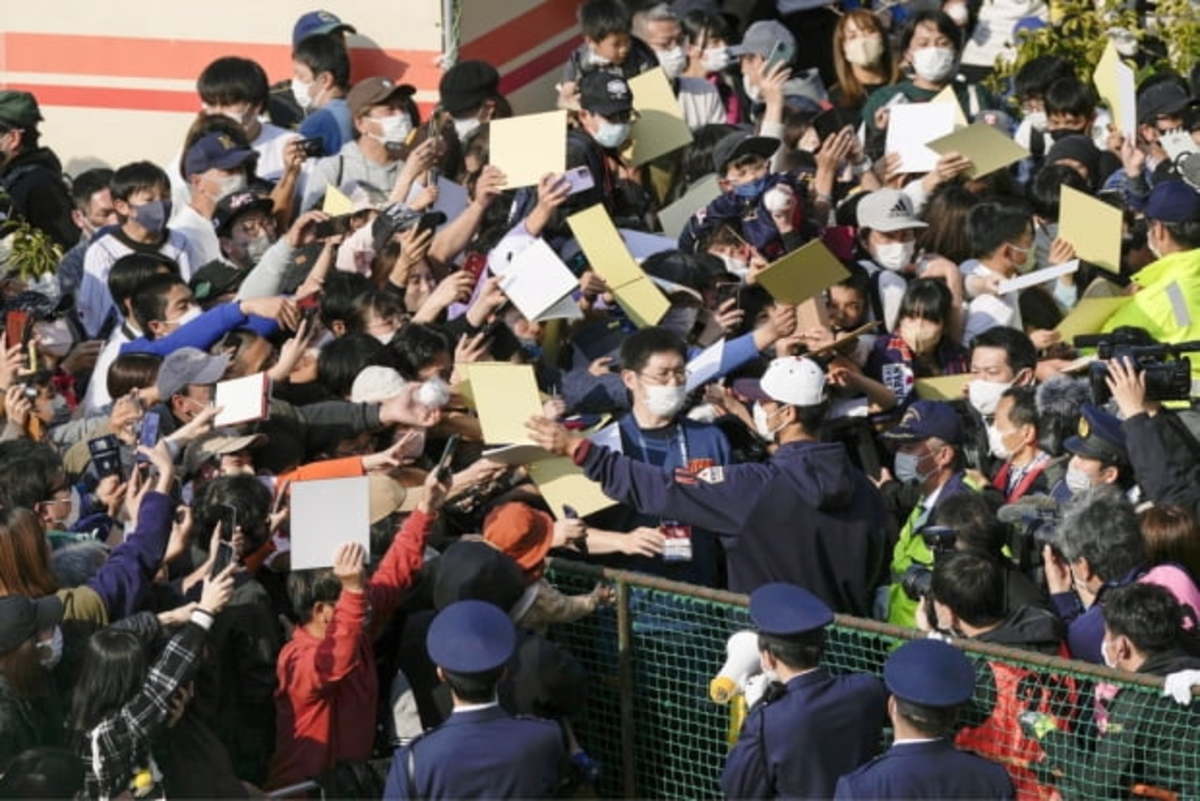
x=483, y=753
x=926, y=771
x=798, y=745
x=807, y=515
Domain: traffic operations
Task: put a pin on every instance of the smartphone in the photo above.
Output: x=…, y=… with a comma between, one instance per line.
x=781, y=53
x=148, y=434
x=580, y=178
x=727, y=290
x=313, y=148
x=443, y=465
x=332, y=227
x=16, y=327
x=223, y=558
x=429, y=221
x=227, y=517
x=106, y=455
x=831, y=121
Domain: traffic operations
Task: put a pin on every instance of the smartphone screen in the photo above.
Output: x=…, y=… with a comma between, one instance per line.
x=105, y=456
x=727, y=290
x=443, y=466
x=16, y=323
x=148, y=435
x=223, y=558
x=580, y=178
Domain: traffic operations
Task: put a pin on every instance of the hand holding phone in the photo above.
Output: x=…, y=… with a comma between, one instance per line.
x=443, y=466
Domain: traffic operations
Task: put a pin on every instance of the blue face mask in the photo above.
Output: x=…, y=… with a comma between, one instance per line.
x=153, y=216
x=752, y=189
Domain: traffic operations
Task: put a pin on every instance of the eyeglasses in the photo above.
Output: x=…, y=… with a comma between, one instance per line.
x=664, y=376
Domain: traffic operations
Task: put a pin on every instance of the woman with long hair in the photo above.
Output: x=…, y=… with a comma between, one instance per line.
x=862, y=59
x=30, y=647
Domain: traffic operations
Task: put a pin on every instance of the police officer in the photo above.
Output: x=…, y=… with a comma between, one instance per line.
x=1098, y=456
x=480, y=751
x=811, y=726
x=929, y=681
x=807, y=516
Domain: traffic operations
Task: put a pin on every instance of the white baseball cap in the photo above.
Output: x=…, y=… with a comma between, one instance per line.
x=789, y=379
x=376, y=384
x=887, y=210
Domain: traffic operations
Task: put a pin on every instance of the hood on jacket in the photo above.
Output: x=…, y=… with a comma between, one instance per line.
x=39, y=157
x=1033, y=628
x=821, y=472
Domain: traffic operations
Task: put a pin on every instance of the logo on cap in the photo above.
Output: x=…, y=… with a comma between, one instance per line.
x=240, y=199
x=617, y=89
x=325, y=16
x=225, y=142
x=911, y=417
x=900, y=209
x=385, y=83
x=1085, y=428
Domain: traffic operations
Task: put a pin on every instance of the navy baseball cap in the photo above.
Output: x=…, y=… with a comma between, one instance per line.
x=235, y=204
x=1173, y=201
x=740, y=143
x=1100, y=437
x=930, y=673
x=925, y=419
x=471, y=637
x=604, y=93
x=315, y=22
x=215, y=151
x=785, y=609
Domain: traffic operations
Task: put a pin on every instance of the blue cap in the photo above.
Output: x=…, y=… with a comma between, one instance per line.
x=925, y=419
x=471, y=637
x=1100, y=437
x=785, y=609
x=315, y=22
x=1172, y=202
x=215, y=150
x=930, y=673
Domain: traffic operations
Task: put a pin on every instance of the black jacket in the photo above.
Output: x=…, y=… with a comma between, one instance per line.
x=1165, y=457
x=34, y=182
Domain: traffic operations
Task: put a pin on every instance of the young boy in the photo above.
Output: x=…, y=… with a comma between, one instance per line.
x=320, y=80
x=1031, y=83
x=608, y=45
x=141, y=194
x=1071, y=109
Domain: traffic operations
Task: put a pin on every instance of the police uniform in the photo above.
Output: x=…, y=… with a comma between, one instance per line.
x=480, y=751
x=806, y=733
x=934, y=674
x=1100, y=437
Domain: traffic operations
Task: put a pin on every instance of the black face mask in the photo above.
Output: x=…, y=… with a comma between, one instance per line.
x=1058, y=133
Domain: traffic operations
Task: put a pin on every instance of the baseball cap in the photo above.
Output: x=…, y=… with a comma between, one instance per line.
x=925, y=419
x=1098, y=437
x=235, y=204
x=794, y=380
x=189, y=366
x=761, y=36
x=674, y=271
x=215, y=151
x=374, y=91
x=930, y=673
x=19, y=109
x=473, y=569
x=219, y=443
x=887, y=210
x=466, y=85
x=1163, y=98
x=376, y=384
x=22, y=617
x=215, y=278
x=387, y=495
x=740, y=143
x=785, y=610
x=1173, y=201
x=315, y=22
x=602, y=92
x=522, y=532
x=471, y=637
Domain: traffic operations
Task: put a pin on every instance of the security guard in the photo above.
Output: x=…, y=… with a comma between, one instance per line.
x=480, y=751
x=1098, y=455
x=929, y=681
x=811, y=726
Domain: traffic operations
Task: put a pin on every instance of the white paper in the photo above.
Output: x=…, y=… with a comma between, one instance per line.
x=452, y=198
x=987, y=311
x=705, y=366
x=1127, y=97
x=609, y=437
x=910, y=126
x=643, y=245
x=241, y=399
x=515, y=241
x=326, y=514
x=536, y=281
x=1038, y=277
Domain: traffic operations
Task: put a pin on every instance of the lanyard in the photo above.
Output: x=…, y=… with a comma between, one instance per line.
x=681, y=438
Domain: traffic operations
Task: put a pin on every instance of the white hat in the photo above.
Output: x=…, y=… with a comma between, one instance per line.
x=888, y=210
x=376, y=384
x=788, y=379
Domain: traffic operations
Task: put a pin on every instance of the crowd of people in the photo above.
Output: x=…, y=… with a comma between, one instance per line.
x=155, y=642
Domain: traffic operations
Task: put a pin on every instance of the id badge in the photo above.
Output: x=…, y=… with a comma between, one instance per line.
x=678, y=547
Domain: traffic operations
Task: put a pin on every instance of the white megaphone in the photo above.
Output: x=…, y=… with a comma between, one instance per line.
x=741, y=664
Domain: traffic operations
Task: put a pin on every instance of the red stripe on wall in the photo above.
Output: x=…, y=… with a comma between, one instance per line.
x=535, y=68
x=522, y=33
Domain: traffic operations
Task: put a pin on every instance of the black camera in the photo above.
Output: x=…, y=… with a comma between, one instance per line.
x=917, y=578
x=1033, y=524
x=1168, y=372
x=313, y=148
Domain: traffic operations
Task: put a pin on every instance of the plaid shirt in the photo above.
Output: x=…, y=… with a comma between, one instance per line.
x=117, y=749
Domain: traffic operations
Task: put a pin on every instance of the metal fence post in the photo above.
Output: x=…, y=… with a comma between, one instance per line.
x=625, y=688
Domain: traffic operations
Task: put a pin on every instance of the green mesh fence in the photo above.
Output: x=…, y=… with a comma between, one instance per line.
x=1116, y=738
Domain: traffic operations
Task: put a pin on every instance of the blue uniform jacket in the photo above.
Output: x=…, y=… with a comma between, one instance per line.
x=797, y=746
x=203, y=332
x=807, y=516
x=482, y=753
x=925, y=771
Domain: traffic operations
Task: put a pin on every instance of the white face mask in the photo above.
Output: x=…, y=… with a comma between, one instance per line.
x=996, y=444
x=906, y=466
x=984, y=395
x=1028, y=261
x=664, y=400
x=228, y=185
x=1037, y=120
x=1077, y=481
x=191, y=314
x=465, y=128
x=594, y=59
x=752, y=91
x=672, y=61
x=302, y=92
x=680, y=320
x=958, y=13
x=894, y=255
x=55, y=337
x=934, y=64
x=1108, y=661
x=864, y=51
x=715, y=59
x=612, y=134
x=50, y=653
x=257, y=246
x=396, y=129
x=385, y=338
x=736, y=266
x=762, y=423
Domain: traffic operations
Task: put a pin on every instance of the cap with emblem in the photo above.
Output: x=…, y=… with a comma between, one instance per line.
x=925, y=419
x=930, y=673
x=603, y=93
x=188, y=366
x=471, y=637
x=214, y=279
x=761, y=37
x=741, y=143
x=1172, y=202
x=466, y=85
x=1100, y=437
x=789, y=379
x=19, y=109
x=888, y=210
x=374, y=91
x=786, y=610
x=215, y=151
x=318, y=22
x=235, y=204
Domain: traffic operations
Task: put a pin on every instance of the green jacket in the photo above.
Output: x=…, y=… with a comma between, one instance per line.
x=972, y=97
